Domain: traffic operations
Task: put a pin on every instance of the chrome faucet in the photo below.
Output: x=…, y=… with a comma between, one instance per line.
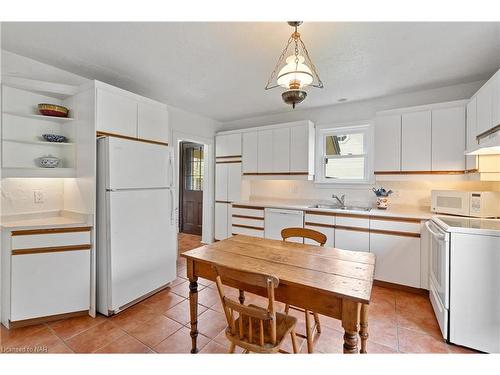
x=341, y=200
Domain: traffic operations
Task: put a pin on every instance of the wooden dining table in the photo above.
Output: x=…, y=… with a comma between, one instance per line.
x=332, y=282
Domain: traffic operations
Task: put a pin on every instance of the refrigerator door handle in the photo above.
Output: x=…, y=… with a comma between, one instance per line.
x=171, y=171
x=171, y=207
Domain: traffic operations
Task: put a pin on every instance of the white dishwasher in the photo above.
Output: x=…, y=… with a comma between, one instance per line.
x=275, y=220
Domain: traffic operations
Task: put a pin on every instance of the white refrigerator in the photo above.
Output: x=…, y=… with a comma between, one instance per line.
x=136, y=233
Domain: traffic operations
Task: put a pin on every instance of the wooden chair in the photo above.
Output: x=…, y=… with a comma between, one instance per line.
x=321, y=239
x=255, y=329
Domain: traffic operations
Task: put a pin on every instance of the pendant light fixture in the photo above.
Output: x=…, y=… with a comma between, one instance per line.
x=296, y=71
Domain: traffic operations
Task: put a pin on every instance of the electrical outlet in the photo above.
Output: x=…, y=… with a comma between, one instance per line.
x=37, y=196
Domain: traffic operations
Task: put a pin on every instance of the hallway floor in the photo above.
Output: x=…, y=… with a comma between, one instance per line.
x=400, y=322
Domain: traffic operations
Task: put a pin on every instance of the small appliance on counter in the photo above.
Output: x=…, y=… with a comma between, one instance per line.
x=485, y=204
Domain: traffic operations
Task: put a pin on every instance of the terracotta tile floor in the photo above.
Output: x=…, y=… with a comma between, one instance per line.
x=399, y=322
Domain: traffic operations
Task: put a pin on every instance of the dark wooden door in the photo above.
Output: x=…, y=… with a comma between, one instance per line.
x=191, y=188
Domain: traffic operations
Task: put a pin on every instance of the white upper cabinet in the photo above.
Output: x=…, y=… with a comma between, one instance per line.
x=299, y=149
x=227, y=182
x=116, y=113
x=416, y=141
x=388, y=143
x=227, y=145
x=221, y=176
x=265, y=151
x=152, y=122
x=281, y=150
x=250, y=152
x=495, y=115
x=471, y=131
x=484, y=99
x=448, y=139
x=124, y=113
x=233, y=181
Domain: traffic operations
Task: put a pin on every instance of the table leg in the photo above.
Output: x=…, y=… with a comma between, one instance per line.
x=363, y=331
x=350, y=323
x=193, y=309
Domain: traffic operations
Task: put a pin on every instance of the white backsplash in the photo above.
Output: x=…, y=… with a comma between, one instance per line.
x=17, y=195
x=410, y=193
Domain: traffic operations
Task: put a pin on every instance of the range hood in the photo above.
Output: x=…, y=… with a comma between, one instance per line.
x=488, y=145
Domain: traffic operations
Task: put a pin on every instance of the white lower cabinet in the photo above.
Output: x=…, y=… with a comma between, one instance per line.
x=352, y=232
x=348, y=239
x=49, y=284
x=397, y=258
x=45, y=273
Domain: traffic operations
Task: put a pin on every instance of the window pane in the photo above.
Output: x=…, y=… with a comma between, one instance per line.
x=193, y=168
x=345, y=168
x=347, y=144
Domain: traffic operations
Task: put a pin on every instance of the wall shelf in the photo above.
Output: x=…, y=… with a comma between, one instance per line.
x=38, y=172
x=39, y=142
x=38, y=117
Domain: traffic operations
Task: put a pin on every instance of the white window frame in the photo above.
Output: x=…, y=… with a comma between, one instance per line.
x=365, y=127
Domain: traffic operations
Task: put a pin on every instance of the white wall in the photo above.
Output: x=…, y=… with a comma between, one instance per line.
x=17, y=65
x=190, y=123
x=415, y=191
x=357, y=111
x=17, y=194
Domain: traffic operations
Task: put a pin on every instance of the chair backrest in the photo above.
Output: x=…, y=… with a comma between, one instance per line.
x=250, y=317
x=304, y=233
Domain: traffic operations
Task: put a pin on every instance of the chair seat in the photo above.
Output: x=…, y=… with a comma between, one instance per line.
x=284, y=325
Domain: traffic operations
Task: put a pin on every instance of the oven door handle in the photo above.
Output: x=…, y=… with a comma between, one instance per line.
x=435, y=234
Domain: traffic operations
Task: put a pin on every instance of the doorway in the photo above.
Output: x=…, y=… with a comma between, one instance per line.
x=191, y=171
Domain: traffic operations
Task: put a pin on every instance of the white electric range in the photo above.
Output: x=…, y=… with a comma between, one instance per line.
x=464, y=280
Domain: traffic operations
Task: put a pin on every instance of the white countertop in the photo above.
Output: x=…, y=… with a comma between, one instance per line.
x=413, y=212
x=44, y=220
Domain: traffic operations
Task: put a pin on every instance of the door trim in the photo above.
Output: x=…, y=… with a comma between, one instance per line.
x=207, y=235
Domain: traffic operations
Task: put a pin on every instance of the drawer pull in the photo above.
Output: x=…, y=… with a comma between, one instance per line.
x=55, y=249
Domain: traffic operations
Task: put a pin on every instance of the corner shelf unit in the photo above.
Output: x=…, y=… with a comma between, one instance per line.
x=22, y=141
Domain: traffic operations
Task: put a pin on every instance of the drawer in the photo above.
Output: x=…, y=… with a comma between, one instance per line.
x=358, y=221
x=50, y=238
x=248, y=222
x=248, y=232
x=319, y=219
x=248, y=212
x=409, y=225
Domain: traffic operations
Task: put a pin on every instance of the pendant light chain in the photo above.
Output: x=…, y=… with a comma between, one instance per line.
x=313, y=67
x=280, y=59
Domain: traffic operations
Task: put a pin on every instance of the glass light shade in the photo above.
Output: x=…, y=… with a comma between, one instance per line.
x=293, y=74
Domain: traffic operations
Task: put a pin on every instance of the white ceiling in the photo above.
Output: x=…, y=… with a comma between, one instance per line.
x=220, y=69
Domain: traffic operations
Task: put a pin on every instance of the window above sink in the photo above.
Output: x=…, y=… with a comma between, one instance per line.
x=344, y=154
